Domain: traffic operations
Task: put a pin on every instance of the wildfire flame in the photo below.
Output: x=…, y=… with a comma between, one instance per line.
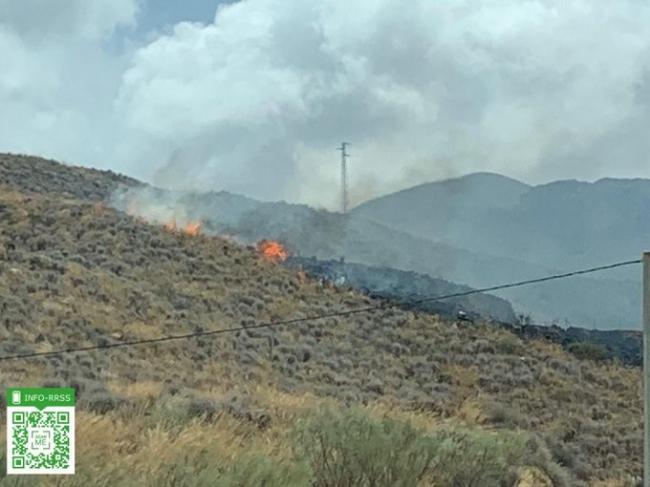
x=134, y=209
x=272, y=251
x=192, y=228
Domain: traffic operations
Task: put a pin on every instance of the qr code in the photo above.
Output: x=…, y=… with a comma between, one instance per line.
x=40, y=441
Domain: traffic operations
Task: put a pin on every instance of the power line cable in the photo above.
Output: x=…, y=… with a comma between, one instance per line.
x=335, y=314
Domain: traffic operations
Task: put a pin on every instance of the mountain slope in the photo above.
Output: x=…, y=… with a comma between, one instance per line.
x=37, y=175
x=581, y=222
x=77, y=273
x=586, y=302
x=555, y=224
x=431, y=210
x=565, y=225
x=583, y=301
x=236, y=214
x=404, y=287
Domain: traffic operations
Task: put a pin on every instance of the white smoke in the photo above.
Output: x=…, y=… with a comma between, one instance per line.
x=257, y=100
x=58, y=80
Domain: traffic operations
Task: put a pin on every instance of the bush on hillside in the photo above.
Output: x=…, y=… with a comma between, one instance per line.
x=351, y=448
x=252, y=469
x=261, y=470
x=590, y=351
x=475, y=458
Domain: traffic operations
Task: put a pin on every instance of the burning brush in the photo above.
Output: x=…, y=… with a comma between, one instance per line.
x=192, y=228
x=272, y=251
x=161, y=214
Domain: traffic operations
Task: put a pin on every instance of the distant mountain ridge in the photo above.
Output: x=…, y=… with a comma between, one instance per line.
x=564, y=225
x=555, y=224
x=429, y=210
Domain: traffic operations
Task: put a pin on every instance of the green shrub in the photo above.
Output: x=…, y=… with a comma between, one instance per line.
x=501, y=414
x=589, y=351
x=248, y=470
x=350, y=449
x=262, y=471
x=474, y=458
x=508, y=345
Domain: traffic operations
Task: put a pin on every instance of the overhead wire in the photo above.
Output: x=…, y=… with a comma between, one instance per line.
x=334, y=314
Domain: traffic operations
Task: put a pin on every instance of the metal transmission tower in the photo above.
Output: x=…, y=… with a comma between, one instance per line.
x=344, y=176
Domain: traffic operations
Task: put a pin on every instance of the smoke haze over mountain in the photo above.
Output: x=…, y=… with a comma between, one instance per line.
x=471, y=254
x=537, y=90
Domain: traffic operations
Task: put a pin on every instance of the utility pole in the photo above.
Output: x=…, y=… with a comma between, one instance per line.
x=344, y=176
x=646, y=369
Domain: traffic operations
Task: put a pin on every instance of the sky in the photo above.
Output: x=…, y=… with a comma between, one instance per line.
x=255, y=96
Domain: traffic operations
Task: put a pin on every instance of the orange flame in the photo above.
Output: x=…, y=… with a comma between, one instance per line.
x=193, y=229
x=272, y=251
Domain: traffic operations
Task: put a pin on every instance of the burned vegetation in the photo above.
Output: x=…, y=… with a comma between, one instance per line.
x=76, y=273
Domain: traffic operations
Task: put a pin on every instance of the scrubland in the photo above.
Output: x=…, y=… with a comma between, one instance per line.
x=379, y=398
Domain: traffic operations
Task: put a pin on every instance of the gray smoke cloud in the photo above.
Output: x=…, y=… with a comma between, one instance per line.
x=257, y=99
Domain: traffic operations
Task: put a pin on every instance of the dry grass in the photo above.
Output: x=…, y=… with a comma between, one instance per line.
x=73, y=273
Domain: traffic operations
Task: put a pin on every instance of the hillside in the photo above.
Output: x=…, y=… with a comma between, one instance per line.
x=579, y=222
x=434, y=210
x=401, y=286
x=75, y=272
x=234, y=214
x=582, y=301
x=37, y=175
x=564, y=225
x=556, y=224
